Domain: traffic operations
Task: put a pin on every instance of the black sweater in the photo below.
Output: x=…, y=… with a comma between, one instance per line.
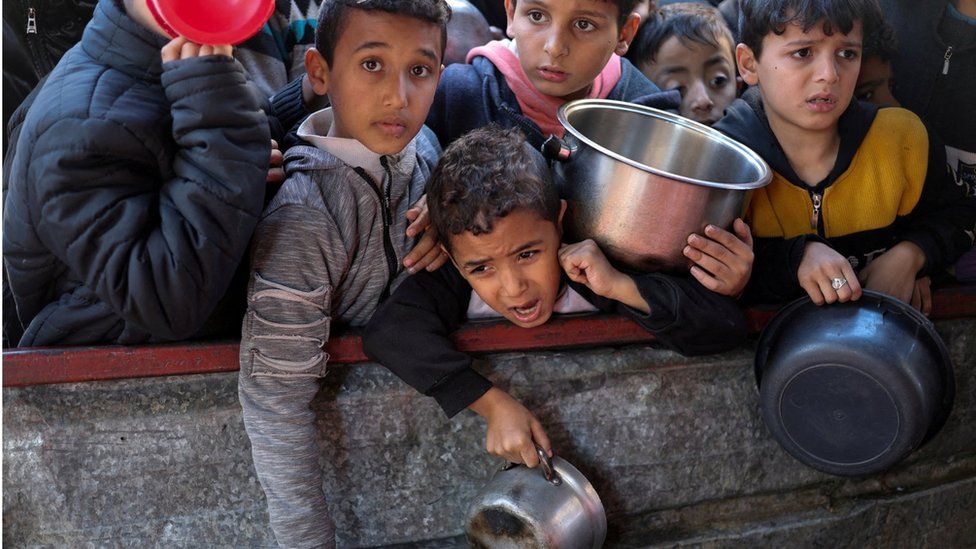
x=409, y=332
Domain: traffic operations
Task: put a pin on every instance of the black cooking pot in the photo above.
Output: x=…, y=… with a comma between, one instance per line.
x=853, y=388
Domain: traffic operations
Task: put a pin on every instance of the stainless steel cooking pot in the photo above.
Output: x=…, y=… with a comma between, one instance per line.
x=639, y=180
x=553, y=507
x=853, y=388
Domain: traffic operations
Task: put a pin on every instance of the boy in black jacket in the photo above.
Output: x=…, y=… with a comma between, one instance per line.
x=499, y=218
x=138, y=177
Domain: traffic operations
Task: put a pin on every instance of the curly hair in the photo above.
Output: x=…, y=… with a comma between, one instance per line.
x=487, y=174
x=332, y=16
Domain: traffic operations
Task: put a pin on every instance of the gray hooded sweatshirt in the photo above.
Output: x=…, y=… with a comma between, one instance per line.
x=328, y=248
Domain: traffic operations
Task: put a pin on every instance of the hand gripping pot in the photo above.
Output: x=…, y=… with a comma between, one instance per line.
x=853, y=388
x=212, y=22
x=521, y=508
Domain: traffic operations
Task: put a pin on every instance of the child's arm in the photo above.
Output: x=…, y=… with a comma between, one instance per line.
x=158, y=249
x=283, y=357
x=937, y=231
x=513, y=431
x=408, y=335
x=723, y=261
x=681, y=313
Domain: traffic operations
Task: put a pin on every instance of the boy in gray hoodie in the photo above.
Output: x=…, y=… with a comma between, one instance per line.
x=330, y=244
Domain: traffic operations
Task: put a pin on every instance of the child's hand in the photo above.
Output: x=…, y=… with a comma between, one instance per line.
x=513, y=432
x=181, y=48
x=723, y=261
x=276, y=173
x=427, y=254
x=894, y=271
x=922, y=296
x=820, y=266
x=584, y=262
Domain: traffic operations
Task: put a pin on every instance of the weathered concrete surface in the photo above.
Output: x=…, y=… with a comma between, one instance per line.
x=674, y=445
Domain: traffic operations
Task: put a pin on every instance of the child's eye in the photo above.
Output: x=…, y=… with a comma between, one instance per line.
x=536, y=16
x=585, y=25
x=848, y=54
x=420, y=71
x=719, y=81
x=803, y=53
x=865, y=95
x=528, y=254
x=372, y=65
x=479, y=270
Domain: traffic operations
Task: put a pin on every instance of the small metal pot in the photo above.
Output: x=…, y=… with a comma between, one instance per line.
x=853, y=388
x=521, y=508
x=639, y=180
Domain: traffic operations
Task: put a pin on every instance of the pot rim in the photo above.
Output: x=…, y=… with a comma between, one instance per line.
x=748, y=154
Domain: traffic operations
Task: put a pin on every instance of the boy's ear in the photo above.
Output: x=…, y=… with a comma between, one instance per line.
x=747, y=63
x=317, y=70
x=449, y=256
x=627, y=33
x=510, y=17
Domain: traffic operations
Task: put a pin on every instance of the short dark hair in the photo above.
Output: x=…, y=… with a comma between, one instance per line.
x=487, y=174
x=690, y=22
x=624, y=8
x=757, y=18
x=332, y=16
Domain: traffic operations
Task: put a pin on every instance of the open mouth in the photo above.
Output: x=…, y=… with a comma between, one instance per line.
x=528, y=312
x=822, y=103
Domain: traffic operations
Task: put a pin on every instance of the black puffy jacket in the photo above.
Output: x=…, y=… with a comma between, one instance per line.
x=133, y=191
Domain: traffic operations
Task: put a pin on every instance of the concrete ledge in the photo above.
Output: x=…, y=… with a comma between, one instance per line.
x=674, y=445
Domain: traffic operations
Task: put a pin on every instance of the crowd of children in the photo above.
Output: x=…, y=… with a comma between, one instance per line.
x=140, y=176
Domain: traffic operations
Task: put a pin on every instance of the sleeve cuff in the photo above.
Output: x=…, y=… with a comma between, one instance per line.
x=456, y=392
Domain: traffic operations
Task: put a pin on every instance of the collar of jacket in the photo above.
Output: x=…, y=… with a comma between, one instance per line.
x=746, y=122
x=115, y=39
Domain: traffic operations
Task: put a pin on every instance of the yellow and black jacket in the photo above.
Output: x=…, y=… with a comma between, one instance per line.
x=889, y=184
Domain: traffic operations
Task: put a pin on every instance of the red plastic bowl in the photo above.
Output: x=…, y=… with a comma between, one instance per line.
x=215, y=21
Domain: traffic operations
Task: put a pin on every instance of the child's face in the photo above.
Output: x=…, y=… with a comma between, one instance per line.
x=806, y=78
x=514, y=268
x=704, y=74
x=875, y=81
x=384, y=73
x=564, y=44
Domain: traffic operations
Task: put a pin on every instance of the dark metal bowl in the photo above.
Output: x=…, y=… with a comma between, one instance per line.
x=853, y=388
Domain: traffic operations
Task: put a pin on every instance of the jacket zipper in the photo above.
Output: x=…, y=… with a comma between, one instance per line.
x=816, y=220
x=947, y=57
x=31, y=21
x=384, y=197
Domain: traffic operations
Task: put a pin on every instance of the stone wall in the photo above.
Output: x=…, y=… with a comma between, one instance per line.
x=674, y=445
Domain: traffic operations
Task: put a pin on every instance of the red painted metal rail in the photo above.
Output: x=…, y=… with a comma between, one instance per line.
x=38, y=366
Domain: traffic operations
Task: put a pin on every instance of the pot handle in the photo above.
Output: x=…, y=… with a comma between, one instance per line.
x=555, y=148
x=547, y=470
